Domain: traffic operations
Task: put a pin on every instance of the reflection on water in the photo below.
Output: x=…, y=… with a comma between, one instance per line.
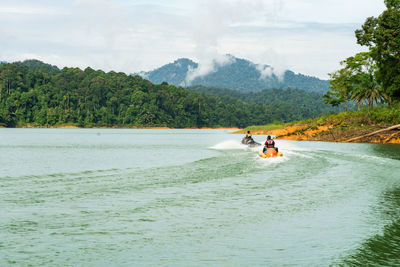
x=382, y=249
x=391, y=151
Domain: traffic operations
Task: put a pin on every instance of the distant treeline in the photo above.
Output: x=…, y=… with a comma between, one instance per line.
x=285, y=105
x=38, y=94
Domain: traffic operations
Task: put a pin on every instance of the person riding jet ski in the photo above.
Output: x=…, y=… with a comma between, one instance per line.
x=270, y=143
x=248, y=140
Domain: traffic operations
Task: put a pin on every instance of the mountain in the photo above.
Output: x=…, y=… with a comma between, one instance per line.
x=236, y=74
x=34, y=65
x=172, y=73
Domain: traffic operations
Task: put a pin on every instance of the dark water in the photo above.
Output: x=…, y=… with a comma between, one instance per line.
x=92, y=197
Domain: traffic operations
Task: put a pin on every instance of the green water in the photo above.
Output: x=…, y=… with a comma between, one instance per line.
x=101, y=197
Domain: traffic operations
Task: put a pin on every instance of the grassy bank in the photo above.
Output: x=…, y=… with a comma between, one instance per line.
x=339, y=127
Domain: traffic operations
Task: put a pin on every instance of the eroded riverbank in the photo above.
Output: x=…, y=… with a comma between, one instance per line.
x=332, y=133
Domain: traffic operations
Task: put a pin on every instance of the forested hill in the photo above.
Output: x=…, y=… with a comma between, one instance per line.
x=38, y=94
x=239, y=74
x=295, y=101
x=37, y=65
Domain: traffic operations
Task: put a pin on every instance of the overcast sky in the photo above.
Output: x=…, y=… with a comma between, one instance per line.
x=306, y=36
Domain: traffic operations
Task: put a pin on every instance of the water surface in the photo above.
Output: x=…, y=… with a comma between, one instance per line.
x=97, y=197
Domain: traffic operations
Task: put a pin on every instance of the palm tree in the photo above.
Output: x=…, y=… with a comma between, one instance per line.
x=367, y=90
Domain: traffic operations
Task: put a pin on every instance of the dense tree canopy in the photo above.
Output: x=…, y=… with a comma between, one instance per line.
x=356, y=81
x=374, y=76
x=284, y=104
x=38, y=94
x=382, y=36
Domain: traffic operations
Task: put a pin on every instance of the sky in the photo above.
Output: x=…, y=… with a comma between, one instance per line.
x=306, y=36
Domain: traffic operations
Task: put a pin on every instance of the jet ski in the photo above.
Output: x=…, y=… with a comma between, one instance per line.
x=250, y=142
x=270, y=153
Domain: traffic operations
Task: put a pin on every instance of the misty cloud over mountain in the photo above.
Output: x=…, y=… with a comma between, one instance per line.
x=233, y=73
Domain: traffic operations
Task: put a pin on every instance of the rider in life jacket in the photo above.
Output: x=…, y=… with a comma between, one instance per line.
x=269, y=144
x=248, y=138
x=248, y=135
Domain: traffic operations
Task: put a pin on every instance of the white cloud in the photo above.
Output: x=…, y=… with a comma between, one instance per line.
x=308, y=36
x=265, y=71
x=213, y=21
x=206, y=67
x=14, y=10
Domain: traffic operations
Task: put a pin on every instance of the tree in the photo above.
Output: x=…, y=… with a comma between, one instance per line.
x=356, y=81
x=340, y=89
x=365, y=88
x=382, y=36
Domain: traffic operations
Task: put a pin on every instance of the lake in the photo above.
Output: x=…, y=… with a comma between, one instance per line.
x=125, y=197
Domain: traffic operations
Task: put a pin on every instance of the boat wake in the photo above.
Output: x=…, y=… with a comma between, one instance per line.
x=229, y=145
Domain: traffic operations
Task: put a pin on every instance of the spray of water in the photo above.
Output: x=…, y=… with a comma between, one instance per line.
x=229, y=145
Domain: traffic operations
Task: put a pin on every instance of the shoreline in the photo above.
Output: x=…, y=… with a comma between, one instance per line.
x=332, y=133
x=295, y=132
x=116, y=127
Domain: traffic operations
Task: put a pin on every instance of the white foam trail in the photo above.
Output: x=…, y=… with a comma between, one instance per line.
x=290, y=153
x=288, y=149
x=291, y=149
x=230, y=144
x=269, y=161
x=290, y=146
x=375, y=159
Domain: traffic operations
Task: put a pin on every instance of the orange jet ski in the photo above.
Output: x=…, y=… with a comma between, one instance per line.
x=270, y=153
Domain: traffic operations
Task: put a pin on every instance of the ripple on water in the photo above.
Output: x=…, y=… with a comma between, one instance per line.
x=320, y=204
x=381, y=249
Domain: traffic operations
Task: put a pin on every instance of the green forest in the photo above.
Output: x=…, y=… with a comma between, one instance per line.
x=372, y=77
x=33, y=93
x=285, y=104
